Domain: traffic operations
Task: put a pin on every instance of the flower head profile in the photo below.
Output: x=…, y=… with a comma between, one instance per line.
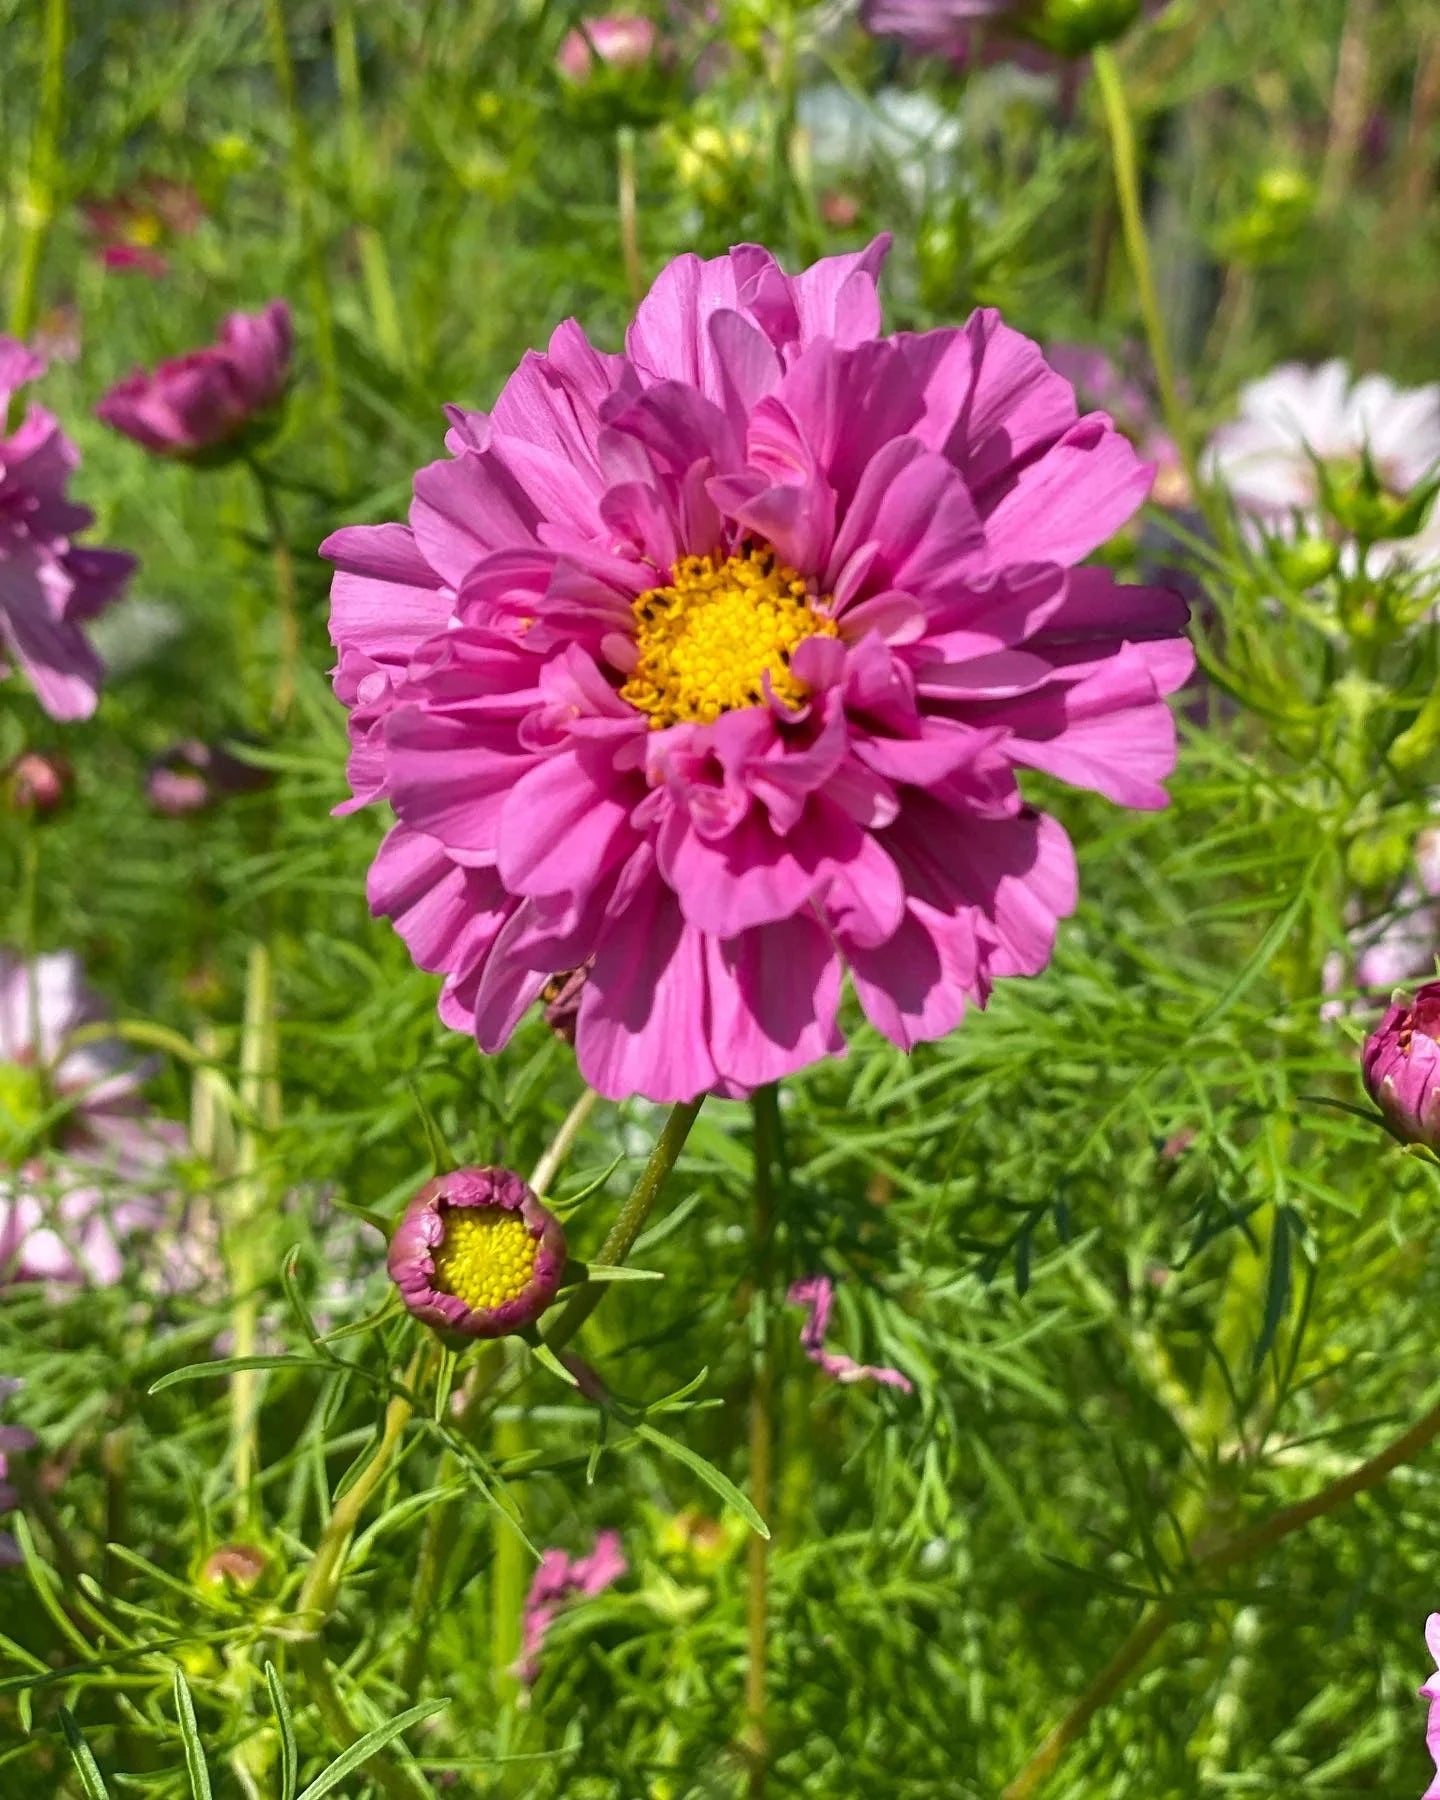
x=710, y=667
x=79, y=1151
x=51, y=586
x=204, y=402
x=561, y=1578
x=958, y=28
x=1431, y=1692
x=1300, y=431
x=817, y=1294
x=1401, y=1065
x=476, y=1253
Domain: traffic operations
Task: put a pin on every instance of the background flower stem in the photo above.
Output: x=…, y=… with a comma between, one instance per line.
x=259, y=1095
x=38, y=204
x=627, y=210
x=1121, y=132
x=765, y=1113
x=1157, y=1619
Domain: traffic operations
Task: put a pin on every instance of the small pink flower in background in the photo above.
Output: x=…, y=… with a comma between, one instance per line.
x=14, y=1441
x=560, y=1578
x=619, y=40
x=817, y=1292
x=475, y=1252
x=1296, y=417
x=128, y=228
x=717, y=661
x=1401, y=1065
x=191, y=776
x=78, y=1147
x=1431, y=1692
x=50, y=586
x=1398, y=948
x=204, y=401
x=1029, y=31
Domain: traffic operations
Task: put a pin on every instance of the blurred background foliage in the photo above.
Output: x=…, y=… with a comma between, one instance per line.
x=1151, y=1278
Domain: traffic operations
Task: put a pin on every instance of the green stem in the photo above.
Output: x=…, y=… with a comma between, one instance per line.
x=374, y=263
x=260, y=1108
x=765, y=1112
x=38, y=205
x=303, y=191
x=1132, y=222
x=1158, y=1618
x=285, y=591
x=631, y=1220
x=401, y=1783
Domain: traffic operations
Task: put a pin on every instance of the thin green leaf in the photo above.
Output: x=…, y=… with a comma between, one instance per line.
x=189, y=1730
x=88, y=1769
x=708, y=1473
x=285, y=1725
x=364, y=1748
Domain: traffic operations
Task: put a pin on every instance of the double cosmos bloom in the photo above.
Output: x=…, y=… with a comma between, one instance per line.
x=708, y=669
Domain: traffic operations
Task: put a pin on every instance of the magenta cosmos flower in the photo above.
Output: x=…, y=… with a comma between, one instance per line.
x=956, y=28
x=561, y=1578
x=476, y=1252
x=79, y=1151
x=1401, y=1064
x=715, y=662
x=1431, y=1692
x=50, y=586
x=204, y=401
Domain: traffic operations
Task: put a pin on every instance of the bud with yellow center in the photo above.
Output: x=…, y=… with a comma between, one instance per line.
x=476, y=1253
x=709, y=642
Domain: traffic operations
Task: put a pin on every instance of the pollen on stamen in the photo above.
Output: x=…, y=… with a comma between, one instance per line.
x=487, y=1257
x=706, y=642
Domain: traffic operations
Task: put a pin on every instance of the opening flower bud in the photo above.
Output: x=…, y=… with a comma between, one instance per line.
x=1075, y=27
x=1401, y=1065
x=476, y=1253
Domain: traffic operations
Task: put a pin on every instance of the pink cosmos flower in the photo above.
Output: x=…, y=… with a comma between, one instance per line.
x=817, y=1292
x=75, y=1135
x=1401, y=1065
x=716, y=662
x=475, y=1252
x=1100, y=381
x=192, y=775
x=50, y=586
x=560, y=1578
x=1431, y=1692
x=205, y=400
x=620, y=40
x=957, y=28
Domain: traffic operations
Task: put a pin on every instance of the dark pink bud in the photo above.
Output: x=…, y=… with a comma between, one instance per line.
x=38, y=784
x=233, y=1565
x=622, y=40
x=208, y=398
x=1401, y=1065
x=476, y=1253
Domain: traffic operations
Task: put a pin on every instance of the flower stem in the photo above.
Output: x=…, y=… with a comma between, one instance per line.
x=260, y=1109
x=765, y=1112
x=1132, y=222
x=628, y=212
x=563, y=1142
x=38, y=204
x=303, y=193
x=284, y=590
x=1158, y=1618
x=631, y=1220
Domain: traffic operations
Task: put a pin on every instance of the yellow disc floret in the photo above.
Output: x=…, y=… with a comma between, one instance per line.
x=487, y=1258
x=707, y=641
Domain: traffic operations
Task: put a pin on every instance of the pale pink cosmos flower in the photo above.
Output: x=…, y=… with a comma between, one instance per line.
x=206, y=400
x=1431, y=1692
x=78, y=1147
x=716, y=662
x=50, y=585
x=817, y=1292
x=1297, y=417
x=561, y=1578
x=620, y=40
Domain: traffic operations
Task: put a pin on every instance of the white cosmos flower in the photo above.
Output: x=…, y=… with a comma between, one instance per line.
x=1266, y=456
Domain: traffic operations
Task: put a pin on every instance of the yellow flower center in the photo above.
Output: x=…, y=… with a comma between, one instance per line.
x=707, y=641
x=487, y=1257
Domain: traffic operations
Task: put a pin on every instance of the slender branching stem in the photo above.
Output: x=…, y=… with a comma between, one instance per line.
x=766, y=1115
